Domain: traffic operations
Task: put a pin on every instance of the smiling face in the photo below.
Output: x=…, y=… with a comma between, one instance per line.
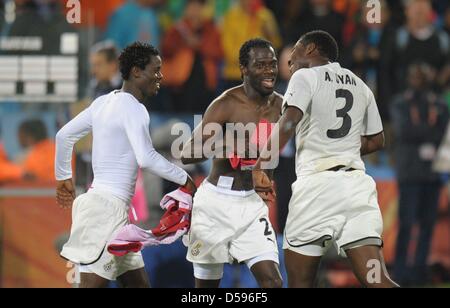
x=262, y=70
x=149, y=80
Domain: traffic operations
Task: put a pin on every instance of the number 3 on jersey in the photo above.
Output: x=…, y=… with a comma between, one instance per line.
x=343, y=113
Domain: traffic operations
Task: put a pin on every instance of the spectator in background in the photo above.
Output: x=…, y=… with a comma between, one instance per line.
x=419, y=120
x=417, y=41
x=39, y=150
x=174, y=9
x=105, y=69
x=245, y=20
x=319, y=15
x=192, y=52
x=36, y=163
x=362, y=56
x=287, y=13
x=136, y=20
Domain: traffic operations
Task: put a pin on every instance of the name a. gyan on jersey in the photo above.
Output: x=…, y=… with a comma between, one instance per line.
x=341, y=79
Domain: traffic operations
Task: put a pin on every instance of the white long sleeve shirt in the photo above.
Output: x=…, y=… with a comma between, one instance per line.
x=121, y=144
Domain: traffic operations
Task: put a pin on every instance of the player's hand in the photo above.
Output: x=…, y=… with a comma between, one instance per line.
x=268, y=197
x=65, y=193
x=261, y=181
x=190, y=185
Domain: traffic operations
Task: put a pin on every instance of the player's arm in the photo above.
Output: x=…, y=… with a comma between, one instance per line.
x=270, y=172
x=65, y=140
x=136, y=126
x=282, y=133
x=208, y=131
x=371, y=144
x=297, y=99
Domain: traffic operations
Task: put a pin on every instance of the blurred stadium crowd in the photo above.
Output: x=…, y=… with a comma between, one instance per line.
x=405, y=59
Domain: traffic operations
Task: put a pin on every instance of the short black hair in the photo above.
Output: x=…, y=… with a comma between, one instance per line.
x=325, y=43
x=34, y=128
x=106, y=48
x=244, y=52
x=136, y=55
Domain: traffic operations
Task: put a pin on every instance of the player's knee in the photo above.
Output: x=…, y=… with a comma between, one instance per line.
x=272, y=283
x=301, y=279
x=301, y=282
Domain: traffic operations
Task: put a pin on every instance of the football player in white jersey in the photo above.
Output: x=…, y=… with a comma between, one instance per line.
x=336, y=120
x=121, y=144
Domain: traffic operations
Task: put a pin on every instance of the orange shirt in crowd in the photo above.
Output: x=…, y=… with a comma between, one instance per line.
x=40, y=161
x=179, y=57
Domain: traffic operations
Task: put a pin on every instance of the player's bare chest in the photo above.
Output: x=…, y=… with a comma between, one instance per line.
x=246, y=114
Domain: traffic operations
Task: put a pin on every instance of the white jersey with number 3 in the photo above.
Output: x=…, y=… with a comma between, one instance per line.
x=338, y=108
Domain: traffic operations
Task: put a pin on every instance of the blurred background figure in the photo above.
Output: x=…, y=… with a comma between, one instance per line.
x=245, y=20
x=419, y=119
x=365, y=48
x=37, y=159
x=104, y=69
x=417, y=41
x=318, y=15
x=192, y=52
x=135, y=20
